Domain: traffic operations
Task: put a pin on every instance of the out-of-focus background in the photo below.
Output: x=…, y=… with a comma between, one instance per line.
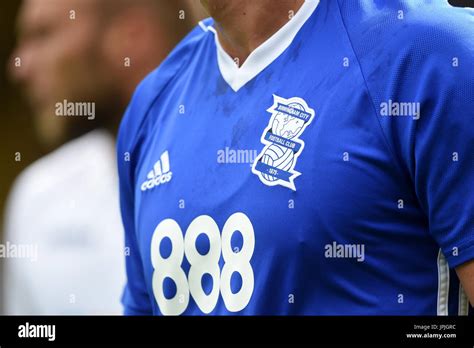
x=16, y=129
x=67, y=70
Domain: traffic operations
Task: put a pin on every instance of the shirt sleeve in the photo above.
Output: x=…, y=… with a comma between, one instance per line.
x=443, y=152
x=135, y=297
x=425, y=59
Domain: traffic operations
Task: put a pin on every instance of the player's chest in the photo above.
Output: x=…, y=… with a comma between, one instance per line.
x=281, y=179
x=275, y=151
x=277, y=148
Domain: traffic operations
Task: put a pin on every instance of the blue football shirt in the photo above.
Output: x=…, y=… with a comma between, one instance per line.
x=331, y=173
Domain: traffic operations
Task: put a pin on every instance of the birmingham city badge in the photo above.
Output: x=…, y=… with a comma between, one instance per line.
x=275, y=165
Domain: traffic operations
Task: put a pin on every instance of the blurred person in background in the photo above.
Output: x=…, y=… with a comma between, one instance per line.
x=78, y=62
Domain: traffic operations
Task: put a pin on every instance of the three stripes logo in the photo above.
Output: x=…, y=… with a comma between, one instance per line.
x=160, y=174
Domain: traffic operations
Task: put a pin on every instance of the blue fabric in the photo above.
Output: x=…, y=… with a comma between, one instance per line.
x=397, y=187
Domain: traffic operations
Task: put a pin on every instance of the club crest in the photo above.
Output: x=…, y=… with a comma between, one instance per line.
x=275, y=165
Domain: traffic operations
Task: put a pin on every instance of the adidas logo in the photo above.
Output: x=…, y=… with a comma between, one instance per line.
x=160, y=174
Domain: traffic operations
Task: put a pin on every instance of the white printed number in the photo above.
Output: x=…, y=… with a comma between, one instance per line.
x=203, y=264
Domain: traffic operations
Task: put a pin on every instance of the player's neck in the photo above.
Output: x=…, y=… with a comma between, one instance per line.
x=245, y=25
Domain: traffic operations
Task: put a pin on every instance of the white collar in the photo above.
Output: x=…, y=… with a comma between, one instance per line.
x=264, y=54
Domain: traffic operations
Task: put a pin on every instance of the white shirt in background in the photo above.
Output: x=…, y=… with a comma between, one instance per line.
x=65, y=206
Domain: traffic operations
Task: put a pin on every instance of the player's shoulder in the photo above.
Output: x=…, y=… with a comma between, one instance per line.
x=419, y=27
x=177, y=60
x=153, y=85
x=418, y=53
x=412, y=49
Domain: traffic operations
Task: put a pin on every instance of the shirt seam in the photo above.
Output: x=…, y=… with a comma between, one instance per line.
x=397, y=163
